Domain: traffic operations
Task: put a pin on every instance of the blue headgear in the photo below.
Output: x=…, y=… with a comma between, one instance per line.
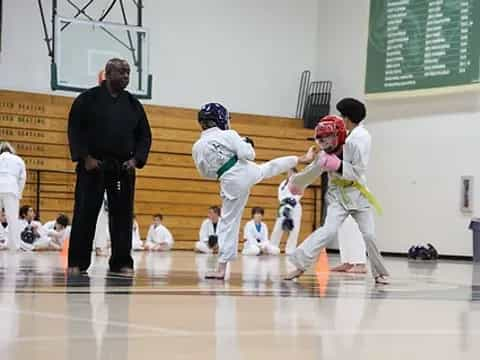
x=216, y=113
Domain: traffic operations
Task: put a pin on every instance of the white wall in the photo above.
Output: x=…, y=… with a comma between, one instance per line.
x=421, y=146
x=250, y=54
x=246, y=53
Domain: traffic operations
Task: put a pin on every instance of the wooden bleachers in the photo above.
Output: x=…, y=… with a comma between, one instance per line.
x=36, y=125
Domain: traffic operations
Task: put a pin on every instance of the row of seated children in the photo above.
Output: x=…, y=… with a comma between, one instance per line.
x=52, y=235
x=158, y=238
x=33, y=235
x=255, y=234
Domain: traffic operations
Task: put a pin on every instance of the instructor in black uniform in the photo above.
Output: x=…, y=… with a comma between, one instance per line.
x=109, y=137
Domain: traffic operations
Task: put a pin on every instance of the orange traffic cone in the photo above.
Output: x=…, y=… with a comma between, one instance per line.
x=64, y=253
x=322, y=271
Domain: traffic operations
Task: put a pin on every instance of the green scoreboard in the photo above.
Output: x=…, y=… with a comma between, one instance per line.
x=422, y=44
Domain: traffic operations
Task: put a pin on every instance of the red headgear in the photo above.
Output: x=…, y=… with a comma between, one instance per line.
x=331, y=133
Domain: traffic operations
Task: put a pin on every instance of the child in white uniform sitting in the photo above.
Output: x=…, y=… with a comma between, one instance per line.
x=255, y=234
x=31, y=229
x=56, y=232
x=208, y=238
x=159, y=237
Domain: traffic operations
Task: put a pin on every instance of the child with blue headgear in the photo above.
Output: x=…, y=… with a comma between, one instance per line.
x=222, y=154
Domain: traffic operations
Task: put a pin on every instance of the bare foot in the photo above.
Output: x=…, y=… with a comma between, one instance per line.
x=100, y=252
x=219, y=274
x=294, y=274
x=342, y=267
x=381, y=280
x=357, y=269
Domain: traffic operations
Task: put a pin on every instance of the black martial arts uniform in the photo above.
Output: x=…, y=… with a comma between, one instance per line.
x=112, y=130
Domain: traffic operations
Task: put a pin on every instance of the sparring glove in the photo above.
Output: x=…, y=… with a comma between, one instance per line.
x=329, y=162
x=249, y=141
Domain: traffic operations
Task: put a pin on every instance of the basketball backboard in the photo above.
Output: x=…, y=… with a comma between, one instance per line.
x=83, y=47
x=83, y=41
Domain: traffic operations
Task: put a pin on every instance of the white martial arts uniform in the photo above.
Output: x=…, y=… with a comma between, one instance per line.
x=206, y=230
x=256, y=242
x=102, y=230
x=51, y=239
x=12, y=182
x=284, y=193
x=214, y=149
x=39, y=231
x=343, y=201
x=159, y=235
x=137, y=243
x=3, y=237
x=350, y=243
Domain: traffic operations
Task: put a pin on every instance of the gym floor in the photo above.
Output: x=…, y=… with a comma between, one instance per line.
x=431, y=310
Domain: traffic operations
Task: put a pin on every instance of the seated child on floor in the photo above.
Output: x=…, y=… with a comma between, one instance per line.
x=56, y=232
x=159, y=237
x=255, y=234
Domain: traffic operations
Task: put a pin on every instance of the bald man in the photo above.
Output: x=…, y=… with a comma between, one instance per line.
x=109, y=138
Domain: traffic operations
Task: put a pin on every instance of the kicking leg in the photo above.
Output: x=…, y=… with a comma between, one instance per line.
x=276, y=167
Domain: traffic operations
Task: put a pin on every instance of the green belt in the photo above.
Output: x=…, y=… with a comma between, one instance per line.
x=227, y=166
x=342, y=184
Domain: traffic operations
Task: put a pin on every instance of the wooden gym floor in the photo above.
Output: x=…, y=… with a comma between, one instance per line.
x=167, y=311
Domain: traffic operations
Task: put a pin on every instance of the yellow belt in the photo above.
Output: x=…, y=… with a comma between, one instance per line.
x=342, y=184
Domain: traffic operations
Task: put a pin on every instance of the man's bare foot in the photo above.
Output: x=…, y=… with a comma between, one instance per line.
x=293, y=274
x=342, y=267
x=381, y=280
x=219, y=274
x=100, y=252
x=357, y=269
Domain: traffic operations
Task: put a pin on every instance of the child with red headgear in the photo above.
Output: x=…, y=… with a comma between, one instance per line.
x=345, y=159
